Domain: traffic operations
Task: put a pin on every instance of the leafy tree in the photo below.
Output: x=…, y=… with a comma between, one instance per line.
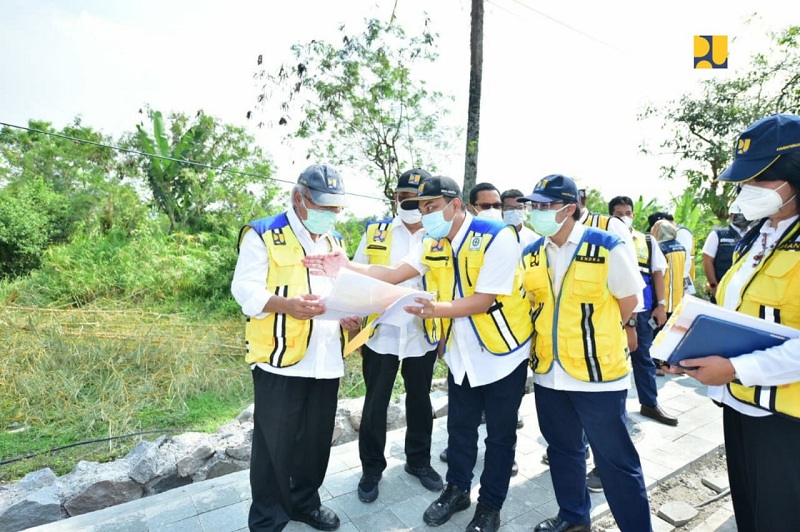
x=359, y=103
x=198, y=196
x=705, y=125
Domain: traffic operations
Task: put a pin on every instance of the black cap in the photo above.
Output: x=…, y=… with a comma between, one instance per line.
x=324, y=184
x=437, y=186
x=552, y=188
x=410, y=180
x=656, y=216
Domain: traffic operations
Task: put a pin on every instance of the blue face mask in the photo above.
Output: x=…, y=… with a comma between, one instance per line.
x=544, y=222
x=318, y=222
x=435, y=225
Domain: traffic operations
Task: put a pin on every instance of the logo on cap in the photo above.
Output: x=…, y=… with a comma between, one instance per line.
x=743, y=146
x=710, y=51
x=421, y=188
x=413, y=179
x=332, y=182
x=542, y=184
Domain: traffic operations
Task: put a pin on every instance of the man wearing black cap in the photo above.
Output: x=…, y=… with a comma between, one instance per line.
x=582, y=286
x=387, y=242
x=760, y=391
x=295, y=367
x=481, y=319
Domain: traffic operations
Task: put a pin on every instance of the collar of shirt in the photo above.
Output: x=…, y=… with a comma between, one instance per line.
x=574, y=237
x=774, y=233
x=397, y=223
x=300, y=231
x=462, y=231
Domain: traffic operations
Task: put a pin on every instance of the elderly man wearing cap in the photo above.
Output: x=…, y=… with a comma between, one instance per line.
x=295, y=367
x=481, y=319
x=760, y=391
x=582, y=286
x=387, y=242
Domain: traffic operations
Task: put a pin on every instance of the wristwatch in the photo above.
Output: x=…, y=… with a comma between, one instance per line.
x=662, y=302
x=631, y=322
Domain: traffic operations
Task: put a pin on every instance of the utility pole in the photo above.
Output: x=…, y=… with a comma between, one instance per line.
x=474, y=106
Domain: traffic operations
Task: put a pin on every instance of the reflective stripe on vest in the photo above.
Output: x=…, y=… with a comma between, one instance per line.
x=675, y=254
x=599, y=221
x=582, y=326
x=772, y=293
x=642, y=243
x=506, y=325
x=279, y=339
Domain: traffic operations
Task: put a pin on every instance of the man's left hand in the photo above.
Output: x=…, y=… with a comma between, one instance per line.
x=713, y=370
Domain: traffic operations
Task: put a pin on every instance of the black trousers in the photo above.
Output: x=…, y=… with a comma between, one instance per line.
x=379, y=372
x=763, y=471
x=293, y=426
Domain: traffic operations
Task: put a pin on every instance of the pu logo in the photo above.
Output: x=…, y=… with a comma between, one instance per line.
x=332, y=182
x=710, y=51
x=380, y=235
x=541, y=185
x=439, y=245
x=278, y=238
x=420, y=189
x=743, y=146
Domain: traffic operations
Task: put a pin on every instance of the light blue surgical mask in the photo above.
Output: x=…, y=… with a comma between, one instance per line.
x=318, y=222
x=514, y=217
x=544, y=222
x=435, y=225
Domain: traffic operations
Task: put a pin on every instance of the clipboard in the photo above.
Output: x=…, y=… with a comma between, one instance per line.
x=708, y=336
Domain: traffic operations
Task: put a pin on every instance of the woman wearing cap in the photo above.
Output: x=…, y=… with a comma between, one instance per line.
x=760, y=391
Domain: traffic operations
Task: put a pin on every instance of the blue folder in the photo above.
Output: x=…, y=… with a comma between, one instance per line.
x=708, y=336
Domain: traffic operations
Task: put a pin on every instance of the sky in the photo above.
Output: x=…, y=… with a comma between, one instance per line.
x=563, y=81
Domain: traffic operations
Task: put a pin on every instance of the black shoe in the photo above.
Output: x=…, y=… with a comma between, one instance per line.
x=520, y=422
x=427, y=476
x=657, y=413
x=443, y=455
x=321, y=519
x=368, y=488
x=451, y=500
x=485, y=520
x=556, y=524
x=514, y=469
x=593, y=481
x=546, y=459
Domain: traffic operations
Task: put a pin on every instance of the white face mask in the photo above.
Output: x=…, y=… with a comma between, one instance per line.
x=411, y=216
x=627, y=220
x=515, y=217
x=491, y=214
x=758, y=202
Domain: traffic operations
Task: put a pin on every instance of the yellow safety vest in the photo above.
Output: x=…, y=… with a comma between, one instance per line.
x=599, y=221
x=690, y=253
x=582, y=327
x=279, y=339
x=378, y=248
x=506, y=325
x=675, y=254
x=644, y=261
x=773, y=293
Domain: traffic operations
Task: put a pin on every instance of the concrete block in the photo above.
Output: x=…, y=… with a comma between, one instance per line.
x=677, y=513
x=717, y=483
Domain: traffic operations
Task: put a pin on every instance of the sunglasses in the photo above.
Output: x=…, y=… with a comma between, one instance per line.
x=487, y=206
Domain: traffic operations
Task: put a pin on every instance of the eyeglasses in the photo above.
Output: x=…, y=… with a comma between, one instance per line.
x=517, y=207
x=487, y=206
x=539, y=206
x=335, y=210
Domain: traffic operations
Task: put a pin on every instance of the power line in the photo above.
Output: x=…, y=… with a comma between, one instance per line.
x=166, y=158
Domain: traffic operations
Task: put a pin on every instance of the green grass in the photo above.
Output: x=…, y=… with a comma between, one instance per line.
x=71, y=376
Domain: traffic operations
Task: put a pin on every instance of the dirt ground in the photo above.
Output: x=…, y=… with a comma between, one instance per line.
x=687, y=487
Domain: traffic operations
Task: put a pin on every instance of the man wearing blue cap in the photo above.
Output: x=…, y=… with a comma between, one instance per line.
x=480, y=318
x=387, y=242
x=760, y=391
x=295, y=367
x=582, y=286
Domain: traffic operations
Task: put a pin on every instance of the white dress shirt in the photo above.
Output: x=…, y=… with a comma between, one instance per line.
x=323, y=358
x=388, y=339
x=624, y=280
x=769, y=367
x=464, y=354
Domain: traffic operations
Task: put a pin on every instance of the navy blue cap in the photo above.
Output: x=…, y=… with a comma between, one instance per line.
x=761, y=145
x=552, y=188
x=324, y=184
x=410, y=180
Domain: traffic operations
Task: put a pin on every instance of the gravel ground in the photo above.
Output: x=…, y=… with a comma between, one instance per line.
x=715, y=513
